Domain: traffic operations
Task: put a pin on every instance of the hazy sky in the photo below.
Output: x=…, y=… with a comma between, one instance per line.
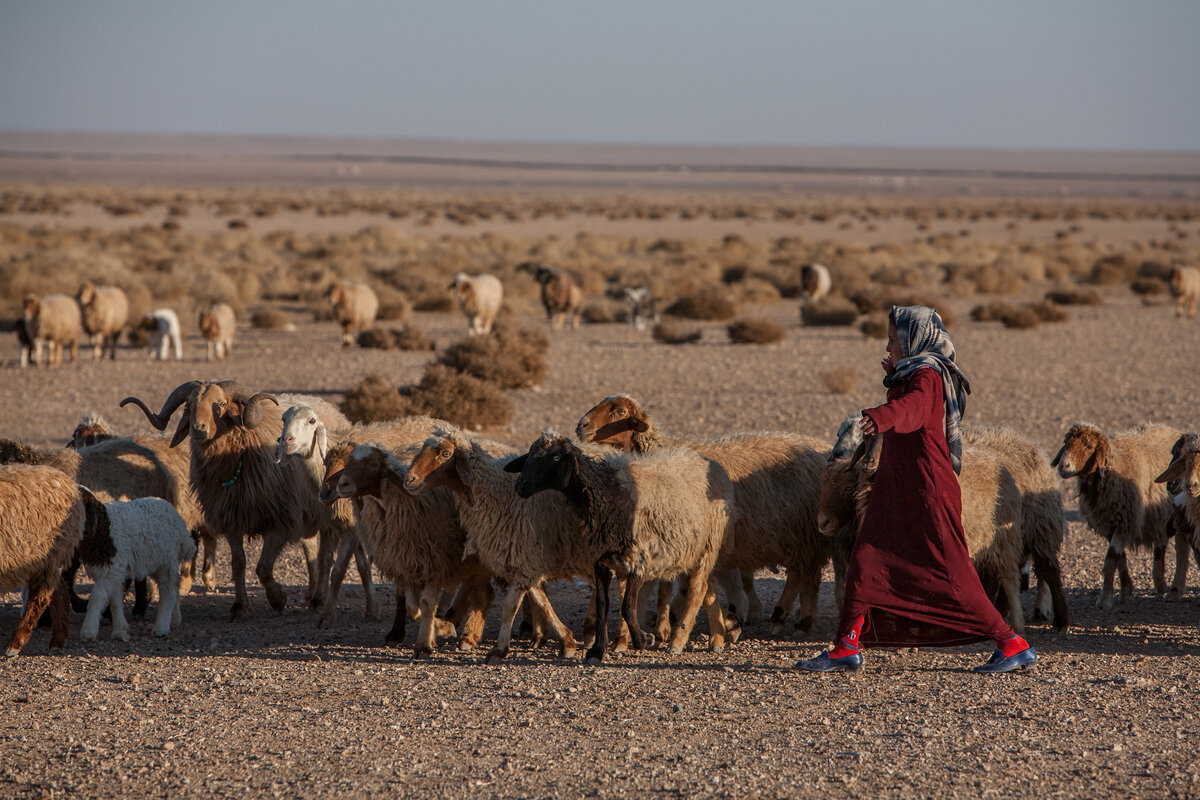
x=1010, y=73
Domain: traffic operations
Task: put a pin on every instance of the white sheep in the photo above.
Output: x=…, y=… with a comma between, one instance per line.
x=52, y=320
x=218, y=324
x=143, y=538
x=815, y=282
x=161, y=327
x=105, y=314
x=644, y=309
x=1185, y=288
x=354, y=307
x=480, y=298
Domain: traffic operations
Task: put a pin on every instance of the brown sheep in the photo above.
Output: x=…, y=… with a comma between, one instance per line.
x=105, y=314
x=1185, y=288
x=1119, y=497
x=1182, y=479
x=354, y=307
x=562, y=294
x=218, y=324
x=54, y=320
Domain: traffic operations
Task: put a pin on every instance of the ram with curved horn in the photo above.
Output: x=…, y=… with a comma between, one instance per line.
x=241, y=488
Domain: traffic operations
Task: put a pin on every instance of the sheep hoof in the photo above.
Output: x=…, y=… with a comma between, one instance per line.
x=11, y=652
x=421, y=653
x=594, y=656
x=495, y=656
x=466, y=647
x=161, y=634
x=621, y=646
x=210, y=581
x=277, y=597
x=804, y=624
x=733, y=634
x=122, y=635
x=675, y=649
x=566, y=650
x=88, y=636
x=237, y=611
x=1174, y=596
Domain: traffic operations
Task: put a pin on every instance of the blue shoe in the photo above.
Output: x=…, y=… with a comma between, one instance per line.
x=998, y=663
x=823, y=663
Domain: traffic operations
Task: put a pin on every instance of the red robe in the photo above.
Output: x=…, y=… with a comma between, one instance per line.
x=910, y=572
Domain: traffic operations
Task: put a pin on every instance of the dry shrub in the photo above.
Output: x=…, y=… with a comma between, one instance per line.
x=373, y=399
x=1075, y=297
x=875, y=325
x=394, y=306
x=756, y=290
x=1155, y=269
x=270, y=319
x=509, y=357
x=842, y=380
x=434, y=301
x=674, y=331
x=709, y=303
x=991, y=312
x=1049, y=312
x=456, y=397
x=1022, y=318
x=1110, y=270
x=991, y=280
x=375, y=339
x=1148, y=286
x=604, y=310
x=755, y=330
x=829, y=311
x=411, y=338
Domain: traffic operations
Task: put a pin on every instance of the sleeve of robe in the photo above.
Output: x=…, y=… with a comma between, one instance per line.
x=909, y=411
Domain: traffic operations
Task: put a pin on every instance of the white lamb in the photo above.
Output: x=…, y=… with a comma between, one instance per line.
x=162, y=328
x=145, y=538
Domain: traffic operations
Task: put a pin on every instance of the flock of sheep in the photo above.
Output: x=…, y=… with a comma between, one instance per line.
x=450, y=518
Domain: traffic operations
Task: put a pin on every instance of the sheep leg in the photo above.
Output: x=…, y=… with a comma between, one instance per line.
x=1179, y=585
x=168, y=599
x=97, y=602
x=512, y=601
x=337, y=574
x=754, y=611
x=41, y=593
x=787, y=598
x=1106, y=588
x=426, y=638
x=237, y=566
x=730, y=581
x=396, y=635
x=60, y=614
x=621, y=645
x=809, y=583
x=362, y=563
x=1011, y=587
x=662, y=626
x=314, y=546
x=141, y=598
x=209, y=572
x=271, y=547
x=696, y=592
x=116, y=607
x=473, y=605
x=1158, y=571
x=716, y=620
x=566, y=639
x=588, y=635
x=629, y=610
x=1126, y=580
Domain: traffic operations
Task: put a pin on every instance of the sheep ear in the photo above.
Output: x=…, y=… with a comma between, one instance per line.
x=639, y=425
x=185, y=424
x=1173, y=471
x=517, y=464
x=322, y=438
x=1058, y=456
x=461, y=469
x=1100, y=457
x=572, y=463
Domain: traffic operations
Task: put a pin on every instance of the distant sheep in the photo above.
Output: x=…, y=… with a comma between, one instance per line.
x=562, y=294
x=644, y=310
x=1182, y=479
x=1185, y=288
x=105, y=314
x=143, y=538
x=52, y=320
x=161, y=327
x=218, y=324
x=1119, y=497
x=354, y=307
x=815, y=282
x=480, y=298
x=42, y=521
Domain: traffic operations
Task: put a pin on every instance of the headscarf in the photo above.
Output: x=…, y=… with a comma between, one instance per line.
x=924, y=342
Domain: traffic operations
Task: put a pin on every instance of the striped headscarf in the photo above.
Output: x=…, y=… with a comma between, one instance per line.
x=925, y=343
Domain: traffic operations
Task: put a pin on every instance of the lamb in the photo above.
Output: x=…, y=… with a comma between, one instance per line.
x=105, y=313
x=241, y=489
x=354, y=307
x=480, y=298
x=815, y=282
x=163, y=333
x=992, y=516
x=218, y=324
x=562, y=294
x=52, y=320
x=135, y=540
x=1119, y=497
x=1185, y=288
x=776, y=482
x=42, y=521
x=652, y=516
x=520, y=542
x=1182, y=479
x=644, y=308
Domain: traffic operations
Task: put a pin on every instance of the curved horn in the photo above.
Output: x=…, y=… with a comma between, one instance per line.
x=252, y=412
x=174, y=401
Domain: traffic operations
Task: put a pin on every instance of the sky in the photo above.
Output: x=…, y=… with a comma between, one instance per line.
x=1040, y=74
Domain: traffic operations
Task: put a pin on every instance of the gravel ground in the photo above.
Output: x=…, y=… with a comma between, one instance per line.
x=276, y=706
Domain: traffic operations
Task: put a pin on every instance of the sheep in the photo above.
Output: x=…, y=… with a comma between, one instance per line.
x=1185, y=288
x=1119, y=498
x=1043, y=525
x=241, y=489
x=562, y=294
x=815, y=282
x=354, y=307
x=479, y=297
x=651, y=516
x=644, y=308
x=419, y=542
x=218, y=324
x=52, y=320
x=1182, y=479
x=134, y=540
x=776, y=481
x=42, y=521
x=849, y=437
x=992, y=517
x=24, y=341
x=105, y=312
x=161, y=327
x=520, y=542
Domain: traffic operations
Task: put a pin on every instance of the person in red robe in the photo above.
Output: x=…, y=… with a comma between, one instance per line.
x=910, y=580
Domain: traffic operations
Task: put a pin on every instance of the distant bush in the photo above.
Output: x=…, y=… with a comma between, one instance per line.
x=829, y=311
x=709, y=303
x=270, y=319
x=1075, y=297
x=875, y=326
x=843, y=380
x=458, y=398
x=991, y=312
x=673, y=331
x=755, y=330
x=603, y=310
x=1024, y=317
x=1148, y=286
x=373, y=399
x=409, y=337
x=509, y=357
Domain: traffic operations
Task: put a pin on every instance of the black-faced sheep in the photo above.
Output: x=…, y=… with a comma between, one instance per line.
x=562, y=294
x=163, y=333
x=520, y=542
x=105, y=314
x=218, y=324
x=143, y=538
x=1185, y=288
x=241, y=489
x=776, y=482
x=480, y=298
x=652, y=516
x=42, y=521
x=815, y=282
x=1119, y=497
x=354, y=307
x=53, y=320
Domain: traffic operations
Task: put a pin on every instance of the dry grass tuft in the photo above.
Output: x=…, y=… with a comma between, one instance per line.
x=709, y=303
x=270, y=319
x=673, y=331
x=409, y=337
x=840, y=381
x=458, y=398
x=511, y=358
x=1075, y=297
x=875, y=326
x=829, y=311
x=1021, y=318
x=604, y=310
x=1148, y=286
x=992, y=312
x=374, y=399
x=755, y=330
x=1049, y=312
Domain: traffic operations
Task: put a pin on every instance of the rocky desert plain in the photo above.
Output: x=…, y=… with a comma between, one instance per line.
x=275, y=705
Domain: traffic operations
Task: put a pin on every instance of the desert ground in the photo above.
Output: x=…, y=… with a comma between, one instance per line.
x=276, y=706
